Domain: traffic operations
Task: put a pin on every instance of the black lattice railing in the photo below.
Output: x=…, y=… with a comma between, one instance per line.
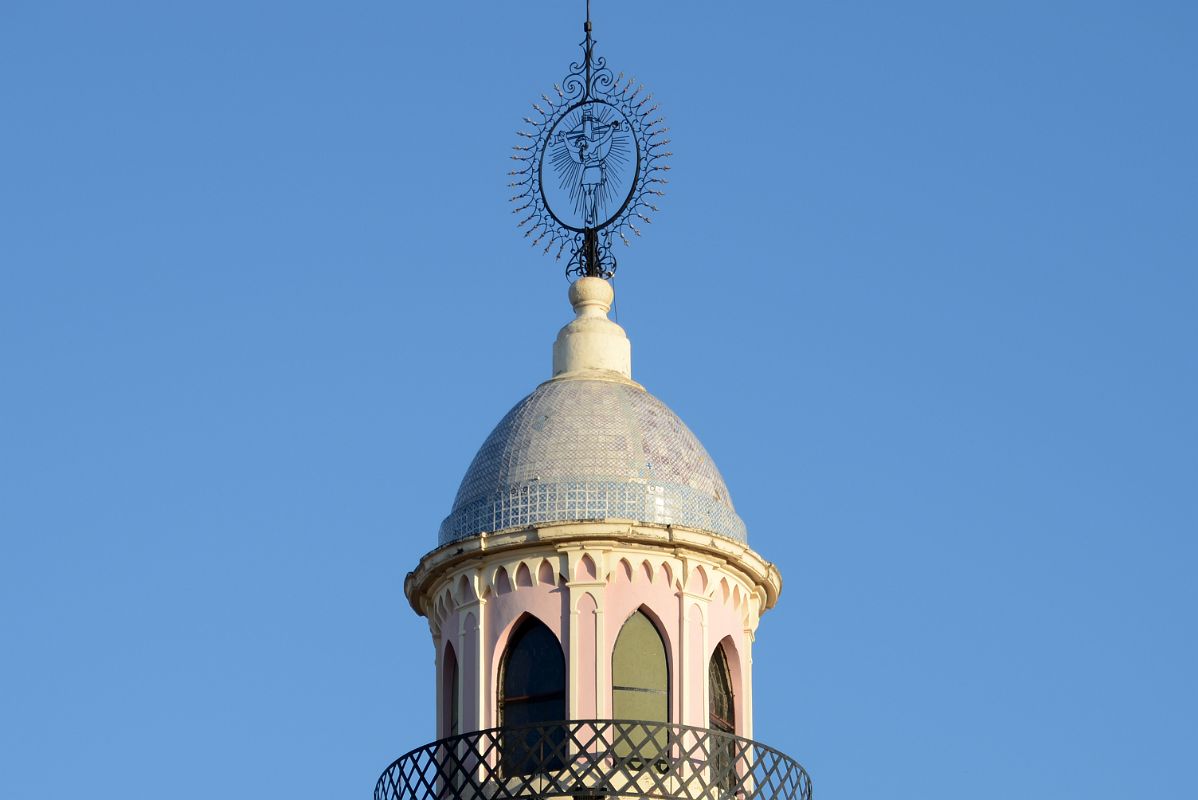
x=593, y=759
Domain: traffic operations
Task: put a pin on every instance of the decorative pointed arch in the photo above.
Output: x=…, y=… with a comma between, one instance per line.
x=626, y=570
x=503, y=583
x=465, y=590
x=586, y=569
x=585, y=627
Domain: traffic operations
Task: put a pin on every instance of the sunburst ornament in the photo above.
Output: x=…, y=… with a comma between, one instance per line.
x=592, y=165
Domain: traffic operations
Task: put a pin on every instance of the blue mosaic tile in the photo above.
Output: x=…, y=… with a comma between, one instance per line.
x=586, y=450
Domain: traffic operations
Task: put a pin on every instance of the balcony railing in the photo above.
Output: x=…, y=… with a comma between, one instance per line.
x=594, y=759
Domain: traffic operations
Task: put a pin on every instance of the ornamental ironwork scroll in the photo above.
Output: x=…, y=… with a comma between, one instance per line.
x=591, y=167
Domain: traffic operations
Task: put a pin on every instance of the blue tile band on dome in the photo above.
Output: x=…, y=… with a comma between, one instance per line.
x=577, y=450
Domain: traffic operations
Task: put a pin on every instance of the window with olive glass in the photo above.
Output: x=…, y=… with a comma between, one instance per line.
x=640, y=681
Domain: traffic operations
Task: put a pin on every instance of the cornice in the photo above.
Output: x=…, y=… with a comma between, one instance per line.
x=674, y=540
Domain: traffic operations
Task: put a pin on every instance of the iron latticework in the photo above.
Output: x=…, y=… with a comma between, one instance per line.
x=592, y=166
x=593, y=759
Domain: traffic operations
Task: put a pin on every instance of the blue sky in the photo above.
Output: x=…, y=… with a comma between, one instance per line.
x=924, y=285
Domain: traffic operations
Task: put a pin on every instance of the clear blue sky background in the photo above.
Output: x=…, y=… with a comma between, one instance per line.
x=925, y=285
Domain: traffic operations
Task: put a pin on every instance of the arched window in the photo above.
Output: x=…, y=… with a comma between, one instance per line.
x=722, y=711
x=639, y=676
x=640, y=686
x=721, y=714
x=532, y=683
x=449, y=689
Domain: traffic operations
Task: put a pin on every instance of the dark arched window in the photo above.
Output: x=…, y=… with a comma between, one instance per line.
x=640, y=686
x=532, y=683
x=722, y=711
x=721, y=714
x=449, y=690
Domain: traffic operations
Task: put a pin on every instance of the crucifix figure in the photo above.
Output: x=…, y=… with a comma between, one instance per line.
x=589, y=143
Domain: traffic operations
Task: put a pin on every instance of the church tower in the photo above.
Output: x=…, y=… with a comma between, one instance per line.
x=592, y=598
x=593, y=602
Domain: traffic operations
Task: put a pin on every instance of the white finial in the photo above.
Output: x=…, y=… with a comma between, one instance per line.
x=592, y=346
x=591, y=297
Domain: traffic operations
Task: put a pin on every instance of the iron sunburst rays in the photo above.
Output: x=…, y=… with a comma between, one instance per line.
x=590, y=166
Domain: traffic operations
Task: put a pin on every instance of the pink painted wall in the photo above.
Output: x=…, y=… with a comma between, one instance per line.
x=708, y=612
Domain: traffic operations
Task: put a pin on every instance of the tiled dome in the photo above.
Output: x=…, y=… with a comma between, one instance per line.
x=583, y=449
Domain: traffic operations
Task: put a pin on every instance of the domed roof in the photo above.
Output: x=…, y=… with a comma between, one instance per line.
x=591, y=449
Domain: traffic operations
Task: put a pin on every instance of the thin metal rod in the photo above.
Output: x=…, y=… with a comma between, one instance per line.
x=588, y=48
x=590, y=240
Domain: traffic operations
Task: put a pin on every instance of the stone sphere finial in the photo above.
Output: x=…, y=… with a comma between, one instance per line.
x=591, y=297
